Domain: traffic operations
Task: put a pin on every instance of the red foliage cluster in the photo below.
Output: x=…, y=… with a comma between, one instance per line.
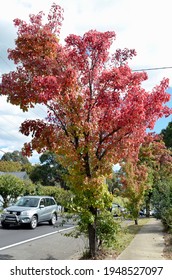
x=97, y=108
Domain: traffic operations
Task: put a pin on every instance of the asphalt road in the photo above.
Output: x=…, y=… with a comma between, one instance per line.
x=44, y=242
x=16, y=234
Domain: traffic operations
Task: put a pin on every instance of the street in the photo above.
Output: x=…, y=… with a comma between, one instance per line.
x=45, y=242
x=16, y=234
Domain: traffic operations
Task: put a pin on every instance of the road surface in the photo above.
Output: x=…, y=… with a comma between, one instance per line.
x=45, y=242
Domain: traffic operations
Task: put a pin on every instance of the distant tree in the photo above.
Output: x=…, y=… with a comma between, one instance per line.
x=113, y=182
x=135, y=182
x=10, y=188
x=63, y=197
x=158, y=159
x=162, y=200
x=10, y=166
x=50, y=172
x=29, y=188
x=15, y=156
x=49, y=158
x=167, y=135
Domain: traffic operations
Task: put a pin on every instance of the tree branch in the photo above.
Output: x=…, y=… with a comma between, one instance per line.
x=100, y=155
x=63, y=126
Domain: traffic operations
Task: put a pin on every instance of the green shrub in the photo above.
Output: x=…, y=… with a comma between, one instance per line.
x=162, y=201
x=107, y=229
x=166, y=217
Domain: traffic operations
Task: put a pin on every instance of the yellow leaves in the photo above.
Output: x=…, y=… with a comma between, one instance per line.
x=94, y=192
x=135, y=182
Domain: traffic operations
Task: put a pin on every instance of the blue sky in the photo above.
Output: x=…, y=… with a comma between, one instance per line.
x=163, y=122
x=140, y=24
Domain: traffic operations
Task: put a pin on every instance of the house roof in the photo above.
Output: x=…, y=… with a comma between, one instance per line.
x=22, y=175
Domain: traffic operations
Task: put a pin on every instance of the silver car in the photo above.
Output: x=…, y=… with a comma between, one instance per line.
x=30, y=210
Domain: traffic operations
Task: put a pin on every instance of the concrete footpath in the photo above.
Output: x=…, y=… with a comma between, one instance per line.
x=148, y=243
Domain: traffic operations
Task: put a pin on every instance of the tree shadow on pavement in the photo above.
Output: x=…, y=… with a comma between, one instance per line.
x=133, y=229
x=6, y=257
x=49, y=257
x=153, y=227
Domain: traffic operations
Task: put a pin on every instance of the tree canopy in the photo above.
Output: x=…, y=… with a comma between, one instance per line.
x=10, y=166
x=97, y=110
x=167, y=135
x=49, y=172
x=15, y=156
x=10, y=188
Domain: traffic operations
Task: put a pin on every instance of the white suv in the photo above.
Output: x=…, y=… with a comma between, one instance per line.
x=30, y=210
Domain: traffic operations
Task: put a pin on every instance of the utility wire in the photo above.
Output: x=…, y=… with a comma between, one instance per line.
x=5, y=61
x=134, y=70
x=152, y=69
x=12, y=135
x=146, y=69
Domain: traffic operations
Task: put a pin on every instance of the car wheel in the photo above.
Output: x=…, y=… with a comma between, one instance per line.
x=4, y=225
x=33, y=222
x=53, y=219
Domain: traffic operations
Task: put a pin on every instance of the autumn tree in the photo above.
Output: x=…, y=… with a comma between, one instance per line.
x=135, y=182
x=141, y=178
x=158, y=159
x=160, y=195
x=97, y=110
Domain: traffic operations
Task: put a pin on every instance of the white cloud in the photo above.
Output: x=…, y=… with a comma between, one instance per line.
x=144, y=25
x=10, y=119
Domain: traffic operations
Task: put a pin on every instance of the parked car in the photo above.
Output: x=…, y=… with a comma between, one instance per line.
x=141, y=213
x=30, y=210
x=117, y=210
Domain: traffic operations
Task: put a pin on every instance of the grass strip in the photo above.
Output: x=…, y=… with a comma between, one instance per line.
x=124, y=237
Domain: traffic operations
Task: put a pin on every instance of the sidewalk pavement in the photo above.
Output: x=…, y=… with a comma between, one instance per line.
x=148, y=243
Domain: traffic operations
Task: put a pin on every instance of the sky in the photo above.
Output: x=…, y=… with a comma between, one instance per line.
x=144, y=25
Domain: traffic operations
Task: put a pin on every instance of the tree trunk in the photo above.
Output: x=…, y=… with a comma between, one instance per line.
x=136, y=221
x=93, y=244
x=92, y=240
x=148, y=207
x=5, y=202
x=148, y=202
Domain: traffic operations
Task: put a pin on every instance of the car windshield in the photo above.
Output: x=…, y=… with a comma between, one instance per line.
x=27, y=202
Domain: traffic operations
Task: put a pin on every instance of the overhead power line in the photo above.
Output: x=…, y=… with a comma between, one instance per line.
x=134, y=70
x=152, y=69
x=145, y=69
x=5, y=61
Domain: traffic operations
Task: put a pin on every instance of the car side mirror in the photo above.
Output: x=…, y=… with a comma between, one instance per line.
x=41, y=206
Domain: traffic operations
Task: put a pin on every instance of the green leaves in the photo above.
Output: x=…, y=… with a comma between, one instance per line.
x=10, y=188
x=167, y=135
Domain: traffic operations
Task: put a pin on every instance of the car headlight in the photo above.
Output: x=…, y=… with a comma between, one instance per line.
x=24, y=213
